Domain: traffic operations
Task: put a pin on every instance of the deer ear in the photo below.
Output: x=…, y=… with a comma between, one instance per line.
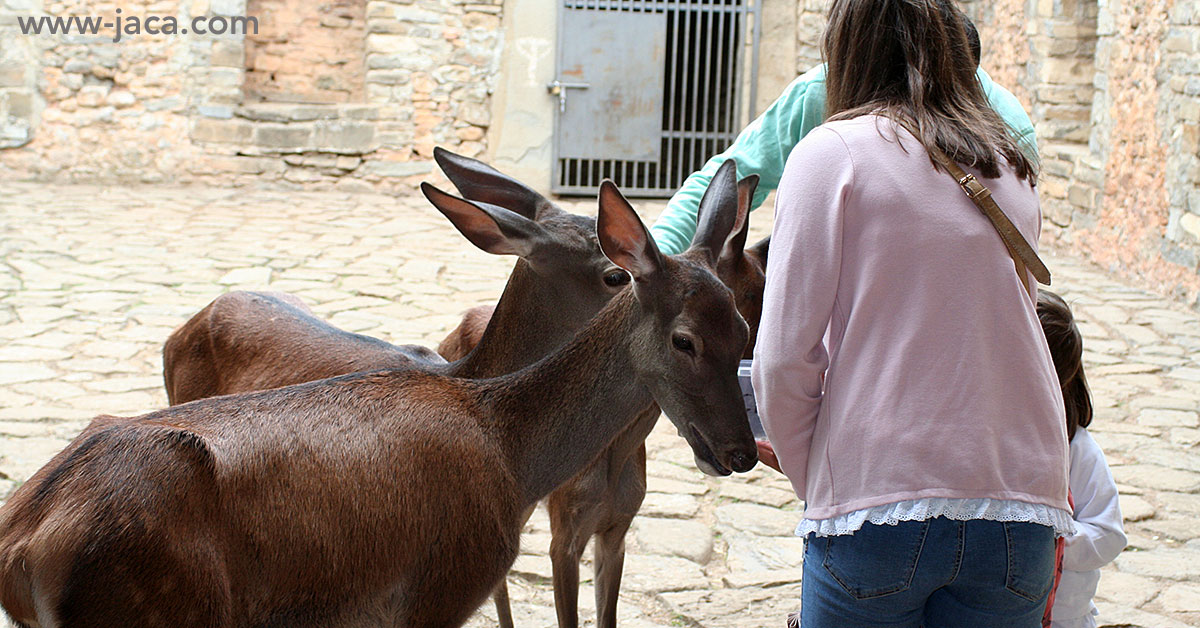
x=736, y=244
x=623, y=237
x=481, y=182
x=493, y=229
x=718, y=212
x=759, y=250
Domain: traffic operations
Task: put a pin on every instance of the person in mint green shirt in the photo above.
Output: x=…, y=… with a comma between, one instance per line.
x=763, y=147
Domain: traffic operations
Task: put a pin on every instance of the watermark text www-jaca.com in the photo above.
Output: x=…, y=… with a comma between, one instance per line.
x=133, y=26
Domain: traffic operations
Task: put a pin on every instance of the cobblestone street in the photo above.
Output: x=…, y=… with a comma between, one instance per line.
x=95, y=278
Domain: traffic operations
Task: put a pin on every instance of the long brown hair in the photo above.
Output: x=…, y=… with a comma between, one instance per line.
x=1066, y=349
x=910, y=60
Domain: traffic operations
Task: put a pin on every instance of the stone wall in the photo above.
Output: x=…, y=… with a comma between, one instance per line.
x=379, y=82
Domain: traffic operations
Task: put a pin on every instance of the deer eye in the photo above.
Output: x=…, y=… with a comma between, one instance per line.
x=616, y=278
x=683, y=343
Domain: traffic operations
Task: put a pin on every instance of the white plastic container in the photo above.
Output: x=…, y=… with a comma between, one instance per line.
x=748, y=397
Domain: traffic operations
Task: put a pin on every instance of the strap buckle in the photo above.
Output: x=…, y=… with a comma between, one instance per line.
x=965, y=183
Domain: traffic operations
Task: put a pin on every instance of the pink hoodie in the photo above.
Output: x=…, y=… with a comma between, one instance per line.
x=884, y=276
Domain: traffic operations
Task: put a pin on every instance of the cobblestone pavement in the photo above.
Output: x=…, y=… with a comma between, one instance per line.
x=94, y=279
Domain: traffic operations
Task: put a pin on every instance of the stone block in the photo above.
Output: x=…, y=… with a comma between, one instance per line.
x=14, y=132
x=171, y=103
x=287, y=138
x=92, y=95
x=1053, y=187
x=227, y=8
x=389, y=77
x=406, y=61
x=77, y=66
x=477, y=114
x=228, y=54
x=397, y=168
x=228, y=96
x=1081, y=196
x=12, y=74
x=1189, y=223
x=1182, y=13
x=1065, y=70
x=19, y=103
x=220, y=112
x=346, y=137
x=120, y=99
x=388, y=44
x=674, y=537
x=223, y=77
x=347, y=162
x=222, y=131
x=416, y=15
x=361, y=112
x=388, y=27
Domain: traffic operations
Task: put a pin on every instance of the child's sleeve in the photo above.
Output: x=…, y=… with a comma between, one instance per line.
x=1100, y=535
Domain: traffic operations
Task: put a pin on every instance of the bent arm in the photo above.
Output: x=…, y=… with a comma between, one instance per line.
x=762, y=148
x=1100, y=534
x=802, y=282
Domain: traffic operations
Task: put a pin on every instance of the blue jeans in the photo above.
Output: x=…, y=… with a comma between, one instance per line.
x=937, y=574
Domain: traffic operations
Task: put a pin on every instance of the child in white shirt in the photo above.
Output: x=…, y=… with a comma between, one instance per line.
x=1099, y=536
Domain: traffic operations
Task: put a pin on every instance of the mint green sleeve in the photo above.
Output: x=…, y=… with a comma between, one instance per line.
x=762, y=148
x=1013, y=113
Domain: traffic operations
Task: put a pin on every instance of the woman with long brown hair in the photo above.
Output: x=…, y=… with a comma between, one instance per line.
x=901, y=371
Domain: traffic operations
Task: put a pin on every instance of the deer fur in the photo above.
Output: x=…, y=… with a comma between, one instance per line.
x=601, y=501
x=373, y=499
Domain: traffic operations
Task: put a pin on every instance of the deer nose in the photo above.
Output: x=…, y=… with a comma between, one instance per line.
x=742, y=462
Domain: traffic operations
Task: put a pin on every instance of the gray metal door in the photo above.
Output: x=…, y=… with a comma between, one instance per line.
x=648, y=90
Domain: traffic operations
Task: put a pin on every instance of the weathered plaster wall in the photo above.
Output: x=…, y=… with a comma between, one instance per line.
x=520, y=140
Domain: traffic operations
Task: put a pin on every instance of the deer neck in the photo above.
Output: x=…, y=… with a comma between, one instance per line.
x=526, y=326
x=555, y=417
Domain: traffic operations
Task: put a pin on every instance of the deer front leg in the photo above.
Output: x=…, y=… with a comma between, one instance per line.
x=503, y=607
x=610, y=561
x=564, y=558
x=624, y=501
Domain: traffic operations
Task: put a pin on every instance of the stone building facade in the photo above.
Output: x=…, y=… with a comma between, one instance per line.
x=350, y=94
x=356, y=93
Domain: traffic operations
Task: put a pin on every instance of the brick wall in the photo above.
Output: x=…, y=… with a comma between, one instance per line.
x=351, y=93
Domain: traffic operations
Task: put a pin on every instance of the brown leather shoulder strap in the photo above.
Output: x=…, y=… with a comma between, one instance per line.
x=1023, y=255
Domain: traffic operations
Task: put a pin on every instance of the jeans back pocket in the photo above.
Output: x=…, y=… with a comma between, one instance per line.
x=1030, y=559
x=877, y=560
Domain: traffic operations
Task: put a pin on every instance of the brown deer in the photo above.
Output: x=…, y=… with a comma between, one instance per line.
x=255, y=341
x=602, y=500
x=249, y=341
x=374, y=499
x=245, y=341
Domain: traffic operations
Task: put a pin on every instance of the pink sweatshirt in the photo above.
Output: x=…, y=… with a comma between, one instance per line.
x=884, y=276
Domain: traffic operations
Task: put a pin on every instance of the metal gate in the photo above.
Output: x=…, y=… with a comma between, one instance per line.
x=648, y=90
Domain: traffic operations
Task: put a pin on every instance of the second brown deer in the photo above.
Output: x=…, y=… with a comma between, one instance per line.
x=375, y=499
x=602, y=500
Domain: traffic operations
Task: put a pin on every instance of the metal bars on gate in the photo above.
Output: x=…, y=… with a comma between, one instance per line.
x=706, y=83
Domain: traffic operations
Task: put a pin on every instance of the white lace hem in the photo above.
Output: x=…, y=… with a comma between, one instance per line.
x=929, y=508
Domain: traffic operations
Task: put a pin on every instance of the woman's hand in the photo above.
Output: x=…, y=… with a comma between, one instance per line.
x=766, y=455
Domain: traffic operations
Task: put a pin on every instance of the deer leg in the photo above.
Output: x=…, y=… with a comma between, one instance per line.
x=503, y=608
x=610, y=560
x=564, y=558
x=624, y=501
